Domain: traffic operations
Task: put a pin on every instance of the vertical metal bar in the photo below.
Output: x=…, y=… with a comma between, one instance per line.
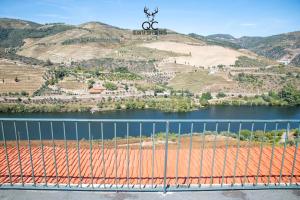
x=202, y=151
x=225, y=156
x=177, y=153
x=19, y=157
x=103, y=160
x=67, y=153
x=153, y=153
x=295, y=156
x=91, y=155
x=140, y=161
x=272, y=154
x=54, y=154
x=6, y=154
x=284, y=150
x=78, y=153
x=237, y=154
x=190, y=154
x=248, y=154
x=214, y=154
x=30, y=153
x=260, y=154
x=127, y=152
x=166, y=158
x=116, y=162
x=42, y=152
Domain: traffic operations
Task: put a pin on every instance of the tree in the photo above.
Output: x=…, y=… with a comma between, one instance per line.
x=221, y=95
x=290, y=94
x=206, y=96
x=91, y=83
x=110, y=86
x=16, y=79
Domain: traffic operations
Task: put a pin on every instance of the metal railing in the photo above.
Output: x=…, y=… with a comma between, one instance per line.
x=149, y=155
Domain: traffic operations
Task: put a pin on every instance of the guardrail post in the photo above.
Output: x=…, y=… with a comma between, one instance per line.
x=67, y=153
x=166, y=158
x=177, y=153
x=6, y=154
x=284, y=151
x=19, y=156
x=225, y=156
x=190, y=154
x=30, y=154
x=295, y=154
x=153, y=153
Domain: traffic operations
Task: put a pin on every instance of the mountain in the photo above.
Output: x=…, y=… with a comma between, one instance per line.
x=62, y=43
x=14, y=31
x=96, y=43
x=282, y=47
x=7, y=23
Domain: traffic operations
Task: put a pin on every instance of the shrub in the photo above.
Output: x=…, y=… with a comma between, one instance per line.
x=221, y=95
x=110, y=86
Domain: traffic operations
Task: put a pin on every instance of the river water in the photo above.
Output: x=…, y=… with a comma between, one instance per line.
x=212, y=112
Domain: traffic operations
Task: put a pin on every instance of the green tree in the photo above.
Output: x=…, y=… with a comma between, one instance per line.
x=221, y=95
x=91, y=82
x=206, y=96
x=110, y=86
x=290, y=94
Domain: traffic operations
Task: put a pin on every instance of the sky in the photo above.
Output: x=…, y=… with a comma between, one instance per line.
x=204, y=17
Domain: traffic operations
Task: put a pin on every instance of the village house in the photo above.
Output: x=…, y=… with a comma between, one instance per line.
x=96, y=89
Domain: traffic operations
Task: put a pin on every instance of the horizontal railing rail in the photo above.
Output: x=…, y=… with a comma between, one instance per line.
x=149, y=120
x=149, y=154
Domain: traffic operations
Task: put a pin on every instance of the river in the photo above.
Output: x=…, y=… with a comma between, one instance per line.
x=212, y=112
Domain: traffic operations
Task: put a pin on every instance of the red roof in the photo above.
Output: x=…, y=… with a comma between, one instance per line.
x=134, y=166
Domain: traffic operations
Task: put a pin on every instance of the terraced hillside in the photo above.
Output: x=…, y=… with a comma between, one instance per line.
x=18, y=77
x=278, y=47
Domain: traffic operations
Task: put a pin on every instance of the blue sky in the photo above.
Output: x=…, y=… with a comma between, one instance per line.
x=236, y=17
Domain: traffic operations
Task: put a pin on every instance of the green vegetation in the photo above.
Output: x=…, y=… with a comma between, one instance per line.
x=56, y=74
x=259, y=135
x=249, y=79
x=117, y=76
x=84, y=40
x=205, y=97
x=20, y=108
x=221, y=95
x=287, y=96
x=91, y=83
x=244, y=61
x=10, y=37
x=290, y=94
x=16, y=94
x=110, y=86
x=173, y=104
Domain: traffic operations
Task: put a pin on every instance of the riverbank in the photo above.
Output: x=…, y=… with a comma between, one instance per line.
x=183, y=104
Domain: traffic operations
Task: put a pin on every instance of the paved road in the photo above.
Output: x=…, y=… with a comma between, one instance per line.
x=220, y=195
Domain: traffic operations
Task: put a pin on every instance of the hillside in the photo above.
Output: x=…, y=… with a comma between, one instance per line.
x=68, y=62
x=7, y=23
x=97, y=42
x=282, y=47
x=14, y=32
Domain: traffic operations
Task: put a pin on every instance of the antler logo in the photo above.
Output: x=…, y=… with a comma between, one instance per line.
x=147, y=25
